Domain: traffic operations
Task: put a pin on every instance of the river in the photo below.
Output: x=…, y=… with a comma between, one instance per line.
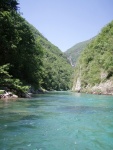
x=57, y=121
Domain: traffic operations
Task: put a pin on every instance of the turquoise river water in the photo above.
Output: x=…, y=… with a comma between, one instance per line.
x=57, y=121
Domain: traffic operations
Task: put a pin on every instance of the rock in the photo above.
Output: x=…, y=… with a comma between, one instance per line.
x=14, y=96
x=77, y=85
x=104, y=88
x=8, y=95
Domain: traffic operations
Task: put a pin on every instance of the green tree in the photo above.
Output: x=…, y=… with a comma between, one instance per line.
x=6, y=80
x=19, y=47
x=9, y=5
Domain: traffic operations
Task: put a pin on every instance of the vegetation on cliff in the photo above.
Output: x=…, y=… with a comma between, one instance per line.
x=95, y=64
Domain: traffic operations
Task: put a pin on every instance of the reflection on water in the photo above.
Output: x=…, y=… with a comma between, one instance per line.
x=57, y=121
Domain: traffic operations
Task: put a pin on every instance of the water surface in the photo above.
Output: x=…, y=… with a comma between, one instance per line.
x=57, y=121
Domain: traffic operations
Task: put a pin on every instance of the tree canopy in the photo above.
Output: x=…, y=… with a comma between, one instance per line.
x=9, y=5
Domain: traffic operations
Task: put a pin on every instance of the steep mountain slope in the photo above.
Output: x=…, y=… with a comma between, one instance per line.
x=20, y=54
x=74, y=52
x=57, y=69
x=27, y=58
x=94, y=70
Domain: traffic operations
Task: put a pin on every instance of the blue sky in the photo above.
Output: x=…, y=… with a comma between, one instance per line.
x=67, y=22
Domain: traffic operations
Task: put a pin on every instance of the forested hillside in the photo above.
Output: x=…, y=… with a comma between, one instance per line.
x=57, y=73
x=74, y=52
x=27, y=59
x=94, y=70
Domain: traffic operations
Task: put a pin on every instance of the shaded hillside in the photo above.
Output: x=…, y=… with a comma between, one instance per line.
x=74, y=52
x=20, y=54
x=94, y=70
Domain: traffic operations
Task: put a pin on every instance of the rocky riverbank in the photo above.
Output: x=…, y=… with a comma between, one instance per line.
x=4, y=94
x=7, y=95
x=104, y=88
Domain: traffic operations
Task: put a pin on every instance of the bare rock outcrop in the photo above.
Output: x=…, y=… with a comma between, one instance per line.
x=103, y=88
x=77, y=86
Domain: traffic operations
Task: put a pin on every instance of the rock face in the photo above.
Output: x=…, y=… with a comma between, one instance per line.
x=105, y=88
x=77, y=87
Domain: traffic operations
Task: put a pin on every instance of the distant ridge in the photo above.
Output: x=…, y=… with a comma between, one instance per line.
x=74, y=52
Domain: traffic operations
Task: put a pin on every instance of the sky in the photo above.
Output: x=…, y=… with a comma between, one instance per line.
x=67, y=22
